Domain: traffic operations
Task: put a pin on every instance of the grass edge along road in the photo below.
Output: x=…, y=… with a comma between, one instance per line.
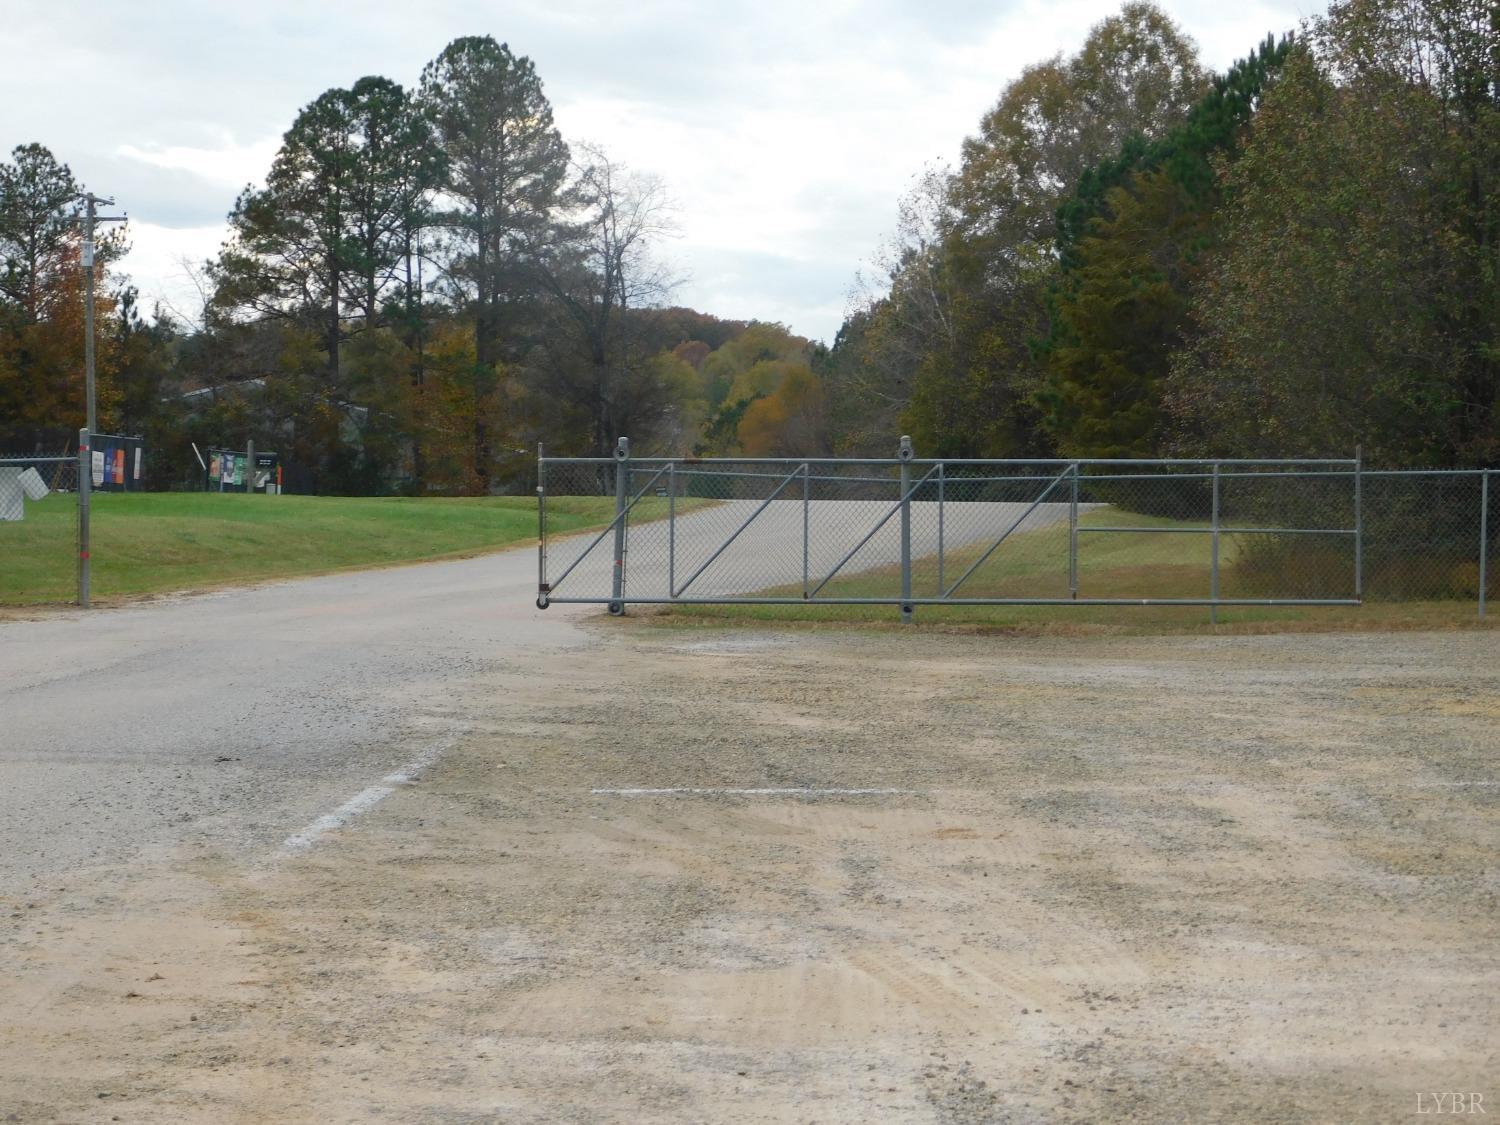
x=1111, y=565
x=151, y=543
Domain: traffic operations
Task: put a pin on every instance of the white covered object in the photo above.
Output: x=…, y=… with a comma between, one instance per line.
x=11, y=495
x=33, y=485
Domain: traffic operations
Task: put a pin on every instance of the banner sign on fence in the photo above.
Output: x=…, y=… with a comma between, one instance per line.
x=229, y=471
x=116, y=463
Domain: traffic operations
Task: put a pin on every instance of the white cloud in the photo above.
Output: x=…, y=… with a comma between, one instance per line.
x=228, y=164
x=786, y=131
x=161, y=263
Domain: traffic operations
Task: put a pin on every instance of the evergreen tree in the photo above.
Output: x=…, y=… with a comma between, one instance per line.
x=506, y=164
x=396, y=166
x=1130, y=241
x=973, y=389
x=37, y=197
x=324, y=248
x=1352, y=297
x=291, y=254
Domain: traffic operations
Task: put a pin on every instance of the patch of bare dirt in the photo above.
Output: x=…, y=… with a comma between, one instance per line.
x=1234, y=879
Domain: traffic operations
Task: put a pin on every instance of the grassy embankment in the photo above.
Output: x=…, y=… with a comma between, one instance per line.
x=151, y=542
x=1110, y=565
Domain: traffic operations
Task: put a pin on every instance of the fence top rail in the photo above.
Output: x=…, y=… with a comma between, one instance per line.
x=32, y=459
x=1427, y=472
x=1040, y=461
x=701, y=468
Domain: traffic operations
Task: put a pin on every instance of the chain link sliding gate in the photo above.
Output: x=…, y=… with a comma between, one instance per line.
x=907, y=532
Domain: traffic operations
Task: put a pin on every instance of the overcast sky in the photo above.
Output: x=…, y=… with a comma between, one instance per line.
x=785, y=131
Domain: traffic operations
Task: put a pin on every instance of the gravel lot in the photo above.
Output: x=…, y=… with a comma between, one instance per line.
x=1208, y=879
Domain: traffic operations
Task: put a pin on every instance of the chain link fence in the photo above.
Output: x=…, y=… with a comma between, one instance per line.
x=906, y=531
x=909, y=532
x=38, y=527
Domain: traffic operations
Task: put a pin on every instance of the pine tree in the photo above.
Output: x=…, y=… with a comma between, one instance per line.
x=506, y=163
x=1130, y=240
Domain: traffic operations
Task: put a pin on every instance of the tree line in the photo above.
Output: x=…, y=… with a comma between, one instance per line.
x=1135, y=257
x=1132, y=257
x=430, y=281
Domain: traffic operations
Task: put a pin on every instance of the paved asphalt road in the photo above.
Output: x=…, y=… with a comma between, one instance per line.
x=237, y=718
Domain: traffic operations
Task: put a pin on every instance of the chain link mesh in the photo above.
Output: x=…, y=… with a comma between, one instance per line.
x=38, y=537
x=832, y=531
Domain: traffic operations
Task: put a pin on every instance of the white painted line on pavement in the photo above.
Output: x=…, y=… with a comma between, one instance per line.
x=795, y=792
x=365, y=801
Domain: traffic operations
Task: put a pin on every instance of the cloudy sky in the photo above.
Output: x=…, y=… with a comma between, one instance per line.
x=785, y=130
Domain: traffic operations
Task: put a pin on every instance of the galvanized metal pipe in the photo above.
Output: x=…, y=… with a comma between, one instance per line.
x=984, y=557
x=692, y=468
x=906, y=455
x=975, y=601
x=1359, y=523
x=1061, y=462
x=541, y=519
x=671, y=526
x=1484, y=537
x=942, y=479
x=618, y=520
x=85, y=490
x=1073, y=537
x=622, y=484
x=871, y=533
x=1213, y=581
x=806, y=525
x=1209, y=530
x=724, y=546
x=806, y=468
x=687, y=469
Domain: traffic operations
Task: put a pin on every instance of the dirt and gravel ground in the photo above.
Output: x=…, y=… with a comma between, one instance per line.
x=1206, y=879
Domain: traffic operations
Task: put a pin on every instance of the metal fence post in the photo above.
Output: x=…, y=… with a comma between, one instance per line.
x=1073, y=537
x=806, y=522
x=541, y=528
x=942, y=489
x=751, y=577
x=906, y=455
x=85, y=489
x=622, y=486
x=672, y=527
x=1213, y=580
x=1484, y=536
x=1359, y=522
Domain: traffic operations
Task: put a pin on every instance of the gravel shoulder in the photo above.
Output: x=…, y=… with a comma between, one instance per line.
x=1126, y=879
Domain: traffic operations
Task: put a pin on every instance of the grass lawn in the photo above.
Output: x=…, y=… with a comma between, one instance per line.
x=150, y=542
x=1110, y=565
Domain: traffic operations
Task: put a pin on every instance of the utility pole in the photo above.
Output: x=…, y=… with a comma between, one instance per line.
x=90, y=217
x=86, y=438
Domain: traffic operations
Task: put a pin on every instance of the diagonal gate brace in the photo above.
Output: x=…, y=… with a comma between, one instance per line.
x=799, y=471
x=896, y=507
x=1071, y=470
x=622, y=514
